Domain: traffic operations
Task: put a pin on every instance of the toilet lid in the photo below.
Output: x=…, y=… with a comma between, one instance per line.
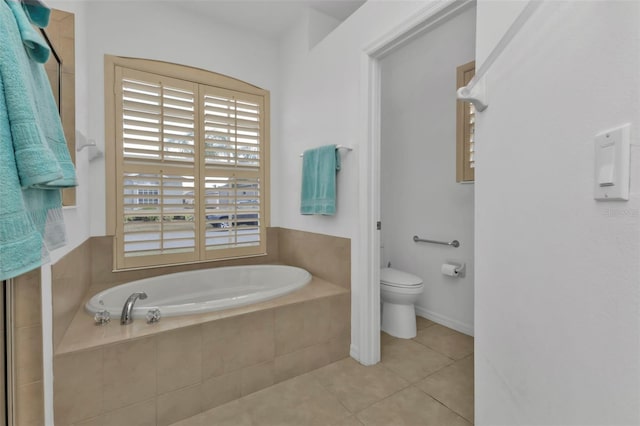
x=394, y=277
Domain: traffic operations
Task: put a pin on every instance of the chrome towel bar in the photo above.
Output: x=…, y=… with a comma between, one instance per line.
x=454, y=243
x=346, y=148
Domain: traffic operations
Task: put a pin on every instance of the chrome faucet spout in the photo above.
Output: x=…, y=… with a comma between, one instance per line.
x=127, y=317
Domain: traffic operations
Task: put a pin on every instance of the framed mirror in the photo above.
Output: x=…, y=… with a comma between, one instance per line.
x=60, y=35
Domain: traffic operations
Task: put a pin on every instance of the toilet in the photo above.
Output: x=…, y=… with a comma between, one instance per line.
x=399, y=291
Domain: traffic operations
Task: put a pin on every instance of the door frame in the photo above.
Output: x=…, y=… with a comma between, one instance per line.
x=366, y=346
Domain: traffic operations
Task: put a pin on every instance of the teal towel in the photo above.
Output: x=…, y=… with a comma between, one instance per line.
x=319, y=167
x=31, y=220
x=20, y=241
x=37, y=12
x=36, y=102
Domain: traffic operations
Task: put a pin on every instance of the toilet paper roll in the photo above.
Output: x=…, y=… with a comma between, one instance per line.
x=450, y=270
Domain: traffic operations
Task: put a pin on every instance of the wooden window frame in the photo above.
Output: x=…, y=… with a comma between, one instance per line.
x=464, y=171
x=114, y=161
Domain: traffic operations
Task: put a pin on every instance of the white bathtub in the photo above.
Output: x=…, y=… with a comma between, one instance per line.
x=202, y=291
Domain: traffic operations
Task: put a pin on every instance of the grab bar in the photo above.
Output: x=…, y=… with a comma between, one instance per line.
x=454, y=243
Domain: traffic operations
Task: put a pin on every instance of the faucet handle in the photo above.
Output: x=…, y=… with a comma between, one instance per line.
x=102, y=317
x=153, y=315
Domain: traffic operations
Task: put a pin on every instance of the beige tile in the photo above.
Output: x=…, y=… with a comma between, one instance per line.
x=302, y=361
x=238, y=342
x=140, y=414
x=386, y=339
x=446, y=341
x=299, y=401
x=317, y=356
x=178, y=405
x=289, y=365
x=422, y=323
x=179, y=358
x=410, y=407
x=453, y=386
x=289, y=328
x=27, y=299
x=358, y=386
x=339, y=348
x=340, y=315
x=95, y=421
x=301, y=325
x=129, y=373
x=30, y=404
x=314, y=252
x=317, y=322
x=412, y=361
x=28, y=354
x=349, y=421
x=102, y=260
x=77, y=386
x=231, y=414
x=257, y=377
x=71, y=278
x=222, y=389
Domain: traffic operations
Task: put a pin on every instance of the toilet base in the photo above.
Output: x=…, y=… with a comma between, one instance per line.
x=399, y=320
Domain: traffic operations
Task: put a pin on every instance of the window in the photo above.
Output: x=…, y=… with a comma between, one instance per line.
x=465, y=129
x=187, y=164
x=147, y=192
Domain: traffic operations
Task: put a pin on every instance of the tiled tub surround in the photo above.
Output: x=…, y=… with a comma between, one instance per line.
x=90, y=265
x=144, y=374
x=159, y=377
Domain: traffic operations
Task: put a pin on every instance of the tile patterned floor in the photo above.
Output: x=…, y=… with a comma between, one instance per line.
x=423, y=381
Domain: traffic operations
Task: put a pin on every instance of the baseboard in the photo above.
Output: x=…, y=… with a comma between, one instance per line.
x=446, y=321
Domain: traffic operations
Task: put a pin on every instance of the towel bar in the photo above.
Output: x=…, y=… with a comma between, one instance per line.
x=337, y=147
x=454, y=243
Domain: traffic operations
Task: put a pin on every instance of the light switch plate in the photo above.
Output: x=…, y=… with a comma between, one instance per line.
x=611, y=173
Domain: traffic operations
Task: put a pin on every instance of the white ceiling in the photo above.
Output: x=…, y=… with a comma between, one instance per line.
x=267, y=17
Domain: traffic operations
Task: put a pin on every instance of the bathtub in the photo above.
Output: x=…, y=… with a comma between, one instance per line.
x=201, y=291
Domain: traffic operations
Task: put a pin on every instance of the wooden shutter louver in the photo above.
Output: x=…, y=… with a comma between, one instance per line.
x=190, y=171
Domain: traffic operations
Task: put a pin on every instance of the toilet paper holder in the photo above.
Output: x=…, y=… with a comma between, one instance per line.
x=452, y=269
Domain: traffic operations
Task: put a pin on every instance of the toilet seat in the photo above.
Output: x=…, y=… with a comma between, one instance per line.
x=394, y=278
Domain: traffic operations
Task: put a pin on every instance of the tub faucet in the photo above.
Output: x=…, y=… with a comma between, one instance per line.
x=127, y=317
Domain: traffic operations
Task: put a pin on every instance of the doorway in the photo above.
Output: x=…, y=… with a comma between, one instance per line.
x=368, y=268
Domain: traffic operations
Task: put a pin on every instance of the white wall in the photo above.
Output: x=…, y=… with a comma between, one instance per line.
x=419, y=193
x=557, y=316
x=162, y=31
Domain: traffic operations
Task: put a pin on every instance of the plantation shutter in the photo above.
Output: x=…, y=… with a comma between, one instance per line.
x=189, y=171
x=157, y=169
x=231, y=164
x=465, y=128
